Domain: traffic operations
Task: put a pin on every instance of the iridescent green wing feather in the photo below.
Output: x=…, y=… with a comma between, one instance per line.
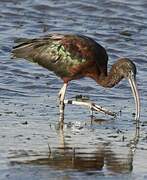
x=51, y=52
x=58, y=53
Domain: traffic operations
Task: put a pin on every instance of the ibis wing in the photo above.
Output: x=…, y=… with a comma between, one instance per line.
x=36, y=49
x=59, y=53
x=47, y=52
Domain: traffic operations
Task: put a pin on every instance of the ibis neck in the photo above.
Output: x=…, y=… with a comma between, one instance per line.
x=110, y=80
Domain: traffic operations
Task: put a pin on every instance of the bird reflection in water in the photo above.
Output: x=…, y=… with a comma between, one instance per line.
x=67, y=157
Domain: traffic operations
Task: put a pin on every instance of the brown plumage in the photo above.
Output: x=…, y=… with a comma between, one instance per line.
x=75, y=56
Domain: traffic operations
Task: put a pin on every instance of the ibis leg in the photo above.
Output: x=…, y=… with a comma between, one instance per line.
x=61, y=102
x=91, y=106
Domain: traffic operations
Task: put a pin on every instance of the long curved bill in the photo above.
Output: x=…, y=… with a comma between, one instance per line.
x=133, y=85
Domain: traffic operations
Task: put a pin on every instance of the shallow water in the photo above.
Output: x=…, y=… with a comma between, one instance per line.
x=32, y=147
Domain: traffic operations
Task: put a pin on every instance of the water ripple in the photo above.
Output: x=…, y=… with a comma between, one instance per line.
x=29, y=93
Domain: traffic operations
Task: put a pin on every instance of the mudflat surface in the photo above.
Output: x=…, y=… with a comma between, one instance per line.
x=31, y=146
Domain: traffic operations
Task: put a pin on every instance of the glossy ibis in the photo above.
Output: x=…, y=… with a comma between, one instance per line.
x=75, y=56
